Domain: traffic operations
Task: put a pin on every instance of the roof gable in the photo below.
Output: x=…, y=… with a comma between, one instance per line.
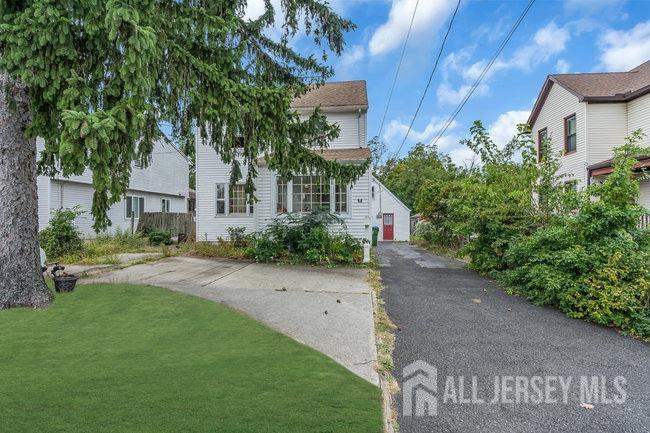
x=598, y=87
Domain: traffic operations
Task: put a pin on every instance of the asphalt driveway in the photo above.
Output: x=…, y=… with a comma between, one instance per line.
x=329, y=309
x=480, y=343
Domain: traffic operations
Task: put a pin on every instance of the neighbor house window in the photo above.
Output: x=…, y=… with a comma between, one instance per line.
x=220, y=199
x=134, y=206
x=310, y=193
x=542, y=135
x=164, y=205
x=341, y=198
x=282, y=205
x=237, y=199
x=570, y=134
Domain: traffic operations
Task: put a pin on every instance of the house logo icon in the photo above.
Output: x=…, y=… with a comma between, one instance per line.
x=420, y=384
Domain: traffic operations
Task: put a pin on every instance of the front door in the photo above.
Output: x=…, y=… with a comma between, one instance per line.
x=388, y=226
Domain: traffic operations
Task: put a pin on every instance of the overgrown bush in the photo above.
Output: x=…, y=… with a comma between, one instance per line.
x=580, y=251
x=61, y=237
x=238, y=236
x=159, y=237
x=306, y=237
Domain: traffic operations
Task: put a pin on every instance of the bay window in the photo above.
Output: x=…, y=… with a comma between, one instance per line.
x=310, y=192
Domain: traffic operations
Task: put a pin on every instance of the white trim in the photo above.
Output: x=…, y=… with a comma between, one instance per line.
x=140, y=211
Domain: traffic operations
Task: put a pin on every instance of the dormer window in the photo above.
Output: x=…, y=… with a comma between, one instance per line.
x=570, y=136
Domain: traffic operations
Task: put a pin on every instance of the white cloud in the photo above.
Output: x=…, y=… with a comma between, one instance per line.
x=428, y=19
x=448, y=95
x=623, y=50
x=590, y=6
x=396, y=130
x=504, y=128
x=547, y=42
x=463, y=156
x=562, y=66
x=349, y=60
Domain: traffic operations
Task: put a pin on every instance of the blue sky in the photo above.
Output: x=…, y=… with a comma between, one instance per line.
x=556, y=36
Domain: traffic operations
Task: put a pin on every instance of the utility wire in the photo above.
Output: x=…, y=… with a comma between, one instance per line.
x=399, y=65
x=451, y=118
x=435, y=66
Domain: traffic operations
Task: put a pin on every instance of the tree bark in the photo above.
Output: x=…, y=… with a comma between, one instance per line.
x=21, y=279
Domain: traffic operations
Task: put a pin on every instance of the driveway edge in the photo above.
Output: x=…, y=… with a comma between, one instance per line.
x=385, y=342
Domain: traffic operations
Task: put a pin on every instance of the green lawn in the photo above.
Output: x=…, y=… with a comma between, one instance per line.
x=116, y=358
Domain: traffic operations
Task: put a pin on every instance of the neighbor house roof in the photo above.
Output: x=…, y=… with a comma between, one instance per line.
x=598, y=87
x=341, y=155
x=606, y=166
x=336, y=94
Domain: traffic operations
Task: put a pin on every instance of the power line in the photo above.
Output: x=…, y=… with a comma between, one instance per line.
x=451, y=118
x=435, y=66
x=399, y=65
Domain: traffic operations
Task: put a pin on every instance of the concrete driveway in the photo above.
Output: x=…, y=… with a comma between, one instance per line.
x=480, y=339
x=327, y=309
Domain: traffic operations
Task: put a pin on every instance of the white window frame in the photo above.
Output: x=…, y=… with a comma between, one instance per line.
x=250, y=209
x=140, y=211
x=224, y=199
x=274, y=201
x=165, y=205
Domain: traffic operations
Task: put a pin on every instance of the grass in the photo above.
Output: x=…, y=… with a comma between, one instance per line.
x=120, y=358
x=384, y=335
x=102, y=249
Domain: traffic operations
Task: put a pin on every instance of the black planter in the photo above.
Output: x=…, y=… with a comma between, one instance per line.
x=65, y=284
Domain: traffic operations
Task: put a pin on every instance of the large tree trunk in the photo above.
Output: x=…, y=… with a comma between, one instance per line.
x=21, y=279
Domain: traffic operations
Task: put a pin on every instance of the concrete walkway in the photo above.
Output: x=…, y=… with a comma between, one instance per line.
x=464, y=326
x=327, y=309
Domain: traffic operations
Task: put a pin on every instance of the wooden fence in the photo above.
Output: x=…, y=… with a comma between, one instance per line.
x=181, y=224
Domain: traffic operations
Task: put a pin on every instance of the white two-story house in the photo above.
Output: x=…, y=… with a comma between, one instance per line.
x=220, y=205
x=585, y=116
x=163, y=186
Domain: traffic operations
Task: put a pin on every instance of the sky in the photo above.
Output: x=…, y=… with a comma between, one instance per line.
x=556, y=36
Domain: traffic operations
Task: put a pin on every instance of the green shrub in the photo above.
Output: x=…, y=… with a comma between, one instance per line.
x=298, y=237
x=238, y=236
x=160, y=237
x=61, y=237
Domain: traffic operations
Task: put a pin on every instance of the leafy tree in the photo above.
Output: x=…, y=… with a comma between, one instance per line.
x=95, y=78
x=378, y=151
x=405, y=176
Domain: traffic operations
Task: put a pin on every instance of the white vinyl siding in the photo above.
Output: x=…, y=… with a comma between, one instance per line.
x=559, y=104
x=210, y=170
x=385, y=202
x=166, y=177
x=607, y=128
x=639, y=117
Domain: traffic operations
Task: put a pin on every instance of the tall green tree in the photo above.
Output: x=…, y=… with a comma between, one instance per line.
x=95, y=78
x=404, y=177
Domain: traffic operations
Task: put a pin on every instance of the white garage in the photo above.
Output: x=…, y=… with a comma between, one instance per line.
x=389, y=214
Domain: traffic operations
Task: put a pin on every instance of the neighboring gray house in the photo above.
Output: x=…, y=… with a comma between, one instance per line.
x=219, y=206
x=586, y=116
x=162, y=186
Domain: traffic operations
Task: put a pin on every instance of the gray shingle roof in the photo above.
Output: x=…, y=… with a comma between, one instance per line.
x=336, y=94
x=598, y=87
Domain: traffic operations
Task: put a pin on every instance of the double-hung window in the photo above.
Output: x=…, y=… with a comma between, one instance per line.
x=237, y=199
x=164, y=205
x=220, y=199
x=309, y=193
x=542, y=136
x=570, y=136
x=232, y=200
x=134, y=206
